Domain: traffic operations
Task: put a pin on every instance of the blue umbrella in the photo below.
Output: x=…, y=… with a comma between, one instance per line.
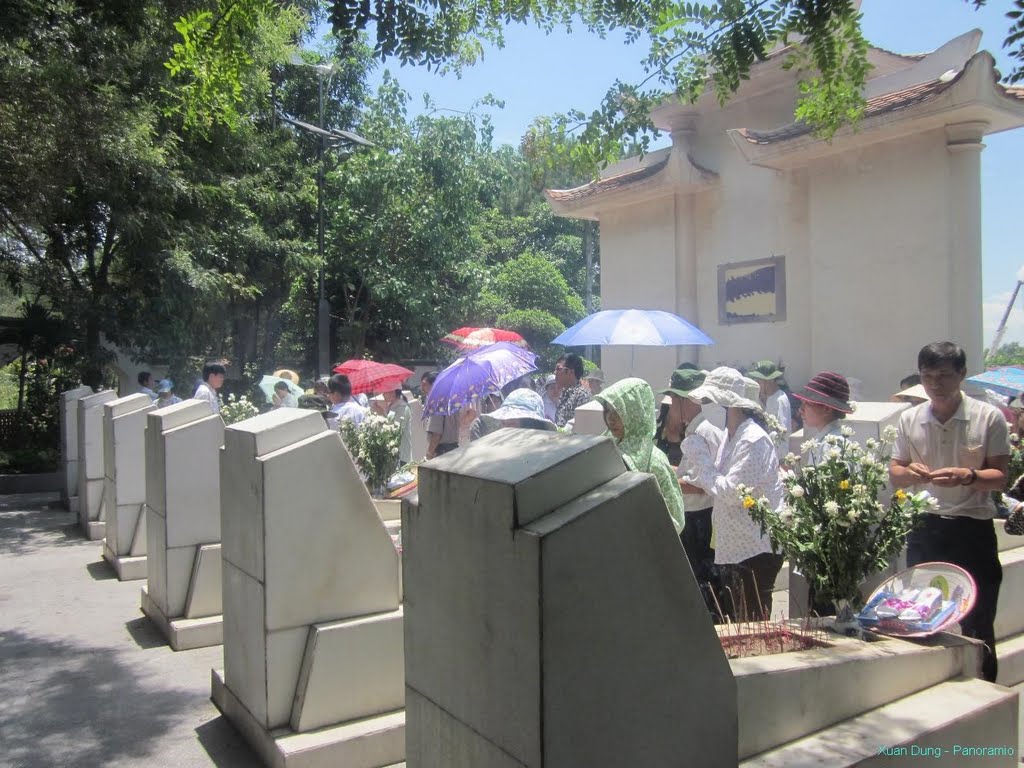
x=633, y=327
x=476, y=375
x=1008, y=380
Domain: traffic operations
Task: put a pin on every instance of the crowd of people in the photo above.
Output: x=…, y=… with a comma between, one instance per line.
x=710, y=432
x=715, y=431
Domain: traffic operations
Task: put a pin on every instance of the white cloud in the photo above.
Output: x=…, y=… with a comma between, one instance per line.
x=993, y=308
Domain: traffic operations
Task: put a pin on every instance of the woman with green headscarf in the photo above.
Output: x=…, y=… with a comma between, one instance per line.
x=629, y=415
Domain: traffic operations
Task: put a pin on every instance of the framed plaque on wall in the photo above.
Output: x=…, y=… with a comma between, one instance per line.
x=752, y=291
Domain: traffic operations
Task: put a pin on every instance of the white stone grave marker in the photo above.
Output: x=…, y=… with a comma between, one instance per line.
x=91, y=515
x=589, y=419
x=183, y=593
x=418, y=428
x=124, y=491
x=561, y=624
x=69, y=445
x=313, y=667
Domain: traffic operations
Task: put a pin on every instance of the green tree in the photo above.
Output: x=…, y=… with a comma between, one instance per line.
x=1007, y=354
x=530, y=281
x=401, y=266
x=87, y=181
x=691, y=44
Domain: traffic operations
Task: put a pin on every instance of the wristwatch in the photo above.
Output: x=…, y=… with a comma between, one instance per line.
x=974, y=476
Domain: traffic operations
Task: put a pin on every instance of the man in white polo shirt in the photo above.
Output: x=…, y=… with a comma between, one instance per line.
x=956, y=447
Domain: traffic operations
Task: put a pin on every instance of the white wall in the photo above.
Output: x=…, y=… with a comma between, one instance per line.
x=879, y=235
x=873, y=262
x=638, y=271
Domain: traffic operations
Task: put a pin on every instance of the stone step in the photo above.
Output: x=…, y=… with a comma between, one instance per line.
x=844, y=680
x=1019, y=690
x=1010, y=610
x=934, y=724
x=1011, y=660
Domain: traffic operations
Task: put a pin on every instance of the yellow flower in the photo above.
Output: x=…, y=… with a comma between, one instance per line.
x=844, y=485
x=748, y=502
x=900, y=496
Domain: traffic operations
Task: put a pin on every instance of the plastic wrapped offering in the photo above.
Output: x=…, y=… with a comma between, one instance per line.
x=920, y=601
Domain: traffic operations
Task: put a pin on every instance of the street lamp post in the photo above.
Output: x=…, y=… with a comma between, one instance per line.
x=326, y=138
x=323, y=316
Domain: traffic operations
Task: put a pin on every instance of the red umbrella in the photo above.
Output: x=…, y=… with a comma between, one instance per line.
x=475, y=338
x=368, y=376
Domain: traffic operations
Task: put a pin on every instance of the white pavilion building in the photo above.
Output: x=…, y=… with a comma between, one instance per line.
x=844, y=255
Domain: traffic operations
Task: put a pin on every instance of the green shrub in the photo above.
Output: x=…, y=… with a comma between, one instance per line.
x=535, y=325
x=24, y=461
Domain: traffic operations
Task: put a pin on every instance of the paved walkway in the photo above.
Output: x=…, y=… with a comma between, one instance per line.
x=85, y=679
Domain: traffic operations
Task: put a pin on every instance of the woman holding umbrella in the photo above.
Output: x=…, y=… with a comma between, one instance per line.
x=464, y=384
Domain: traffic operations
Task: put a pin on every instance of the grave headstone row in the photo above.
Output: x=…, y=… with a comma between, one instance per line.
x=552, y=618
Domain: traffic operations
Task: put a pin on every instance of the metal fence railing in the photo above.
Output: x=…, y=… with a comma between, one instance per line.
x=8, y=426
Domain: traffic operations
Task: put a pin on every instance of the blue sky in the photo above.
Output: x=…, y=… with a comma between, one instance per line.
x=537, y=74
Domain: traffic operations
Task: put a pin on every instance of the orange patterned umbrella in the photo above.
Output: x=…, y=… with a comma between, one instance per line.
x=474, y=338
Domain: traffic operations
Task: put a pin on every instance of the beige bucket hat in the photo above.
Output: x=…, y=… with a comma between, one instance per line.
x=728, y=388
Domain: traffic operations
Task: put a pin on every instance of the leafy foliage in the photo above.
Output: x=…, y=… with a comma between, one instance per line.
x=214, y=59
x=691, y=45
x=529, y=281
x=400, y=265
x=1007, y=354
x=535, y=325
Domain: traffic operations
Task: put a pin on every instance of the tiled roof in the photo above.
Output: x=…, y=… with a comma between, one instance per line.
x=606, y=185
x=1014, y=92
x=885, y=103
x=911, y=56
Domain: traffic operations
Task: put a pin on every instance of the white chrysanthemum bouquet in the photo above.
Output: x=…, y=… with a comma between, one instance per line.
x=374, y=446
x=832, y=526
x=234, y=410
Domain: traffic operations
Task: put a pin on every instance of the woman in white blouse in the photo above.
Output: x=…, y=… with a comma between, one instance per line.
x=746, y=457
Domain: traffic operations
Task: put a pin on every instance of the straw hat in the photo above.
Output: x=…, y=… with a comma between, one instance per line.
x=915, y=392
x=728, y=388
x=284, y=373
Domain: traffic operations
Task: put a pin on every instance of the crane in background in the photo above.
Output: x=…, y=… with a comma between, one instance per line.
x=1001, y=330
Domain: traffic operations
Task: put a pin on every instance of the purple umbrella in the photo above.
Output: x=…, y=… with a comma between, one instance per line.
x=476, y=375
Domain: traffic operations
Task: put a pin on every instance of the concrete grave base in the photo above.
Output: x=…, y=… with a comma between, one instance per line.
x=94, y=530
x=930, y=727
x=388, y=509
x=372, y=742
x=184, y=634
x=127, y=568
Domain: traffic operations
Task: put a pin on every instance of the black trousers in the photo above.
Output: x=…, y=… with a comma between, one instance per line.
x=696, y=539
x=747, y=587
x=971, y=544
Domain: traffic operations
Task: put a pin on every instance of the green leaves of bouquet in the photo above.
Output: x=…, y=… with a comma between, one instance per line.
x=833, y=525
